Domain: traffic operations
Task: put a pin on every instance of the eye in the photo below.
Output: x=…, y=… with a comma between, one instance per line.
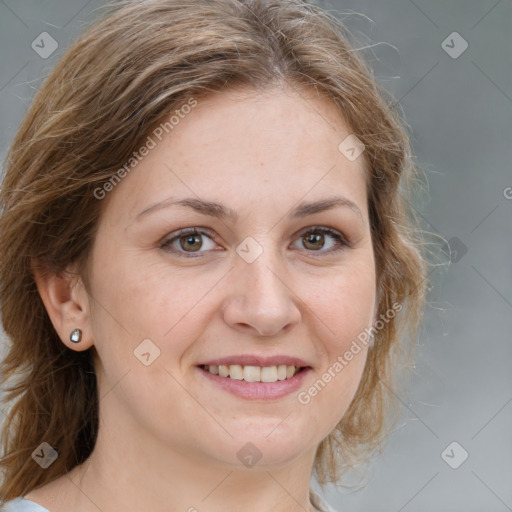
x=188, y=241
x=315, y=239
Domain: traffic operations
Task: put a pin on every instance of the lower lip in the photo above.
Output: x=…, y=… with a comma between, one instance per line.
x=258, y=390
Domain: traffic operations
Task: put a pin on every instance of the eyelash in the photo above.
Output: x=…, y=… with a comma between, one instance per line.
x=341, y=240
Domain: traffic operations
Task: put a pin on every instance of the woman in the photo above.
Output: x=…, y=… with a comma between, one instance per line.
x=207, y=264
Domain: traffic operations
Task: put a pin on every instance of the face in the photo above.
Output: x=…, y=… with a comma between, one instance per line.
x=257, y=280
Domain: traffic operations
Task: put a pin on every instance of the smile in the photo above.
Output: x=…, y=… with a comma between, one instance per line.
x=253, y=373
x=255, y=382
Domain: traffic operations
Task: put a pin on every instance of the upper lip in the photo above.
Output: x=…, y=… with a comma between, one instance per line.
x=255, y=360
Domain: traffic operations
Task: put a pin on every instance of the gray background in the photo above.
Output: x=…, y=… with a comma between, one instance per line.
x=459, y=112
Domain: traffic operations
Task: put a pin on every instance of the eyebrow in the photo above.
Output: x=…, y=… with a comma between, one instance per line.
x=220, y=211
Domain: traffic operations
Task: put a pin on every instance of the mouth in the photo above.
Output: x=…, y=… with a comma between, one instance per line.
x=249, y=373
x=259, y=383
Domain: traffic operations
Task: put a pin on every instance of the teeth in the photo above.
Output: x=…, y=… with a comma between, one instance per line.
x=269, y=374
x=236, y=372
x=253, y=373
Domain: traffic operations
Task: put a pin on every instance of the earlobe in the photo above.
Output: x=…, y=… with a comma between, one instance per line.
x=66, y=302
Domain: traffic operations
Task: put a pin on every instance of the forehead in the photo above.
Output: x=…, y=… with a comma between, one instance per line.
x=238, y=146
x=249, y=123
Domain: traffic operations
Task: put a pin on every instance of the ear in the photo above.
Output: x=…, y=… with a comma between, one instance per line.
x=67, y=303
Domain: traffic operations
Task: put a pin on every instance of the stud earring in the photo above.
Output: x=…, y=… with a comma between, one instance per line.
x=76, y=335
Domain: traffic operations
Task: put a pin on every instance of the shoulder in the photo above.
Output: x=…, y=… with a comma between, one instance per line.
x=22, y=505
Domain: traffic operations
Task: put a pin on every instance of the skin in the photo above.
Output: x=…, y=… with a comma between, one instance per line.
x=168, y=438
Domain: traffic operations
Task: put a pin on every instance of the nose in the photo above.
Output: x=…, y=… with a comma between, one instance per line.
x=260, y=297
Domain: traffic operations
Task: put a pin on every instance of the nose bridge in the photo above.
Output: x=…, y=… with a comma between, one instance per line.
x=259, y=296
x=261, y=275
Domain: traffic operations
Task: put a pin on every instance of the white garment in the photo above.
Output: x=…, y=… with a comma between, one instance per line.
x=22, y=505
x=318, y=503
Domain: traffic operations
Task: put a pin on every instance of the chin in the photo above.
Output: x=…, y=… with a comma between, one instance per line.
x=266, y=448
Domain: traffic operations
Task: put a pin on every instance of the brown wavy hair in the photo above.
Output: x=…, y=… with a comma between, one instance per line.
x=133, y=66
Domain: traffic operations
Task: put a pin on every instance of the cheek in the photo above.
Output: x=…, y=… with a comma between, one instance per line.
x=346, y=312
x=146, y=297
x=345, y=303
x=346, y=308
x=170, y=307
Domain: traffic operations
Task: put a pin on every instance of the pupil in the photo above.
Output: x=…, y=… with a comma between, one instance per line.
x=191, y=239
x=315, y=238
